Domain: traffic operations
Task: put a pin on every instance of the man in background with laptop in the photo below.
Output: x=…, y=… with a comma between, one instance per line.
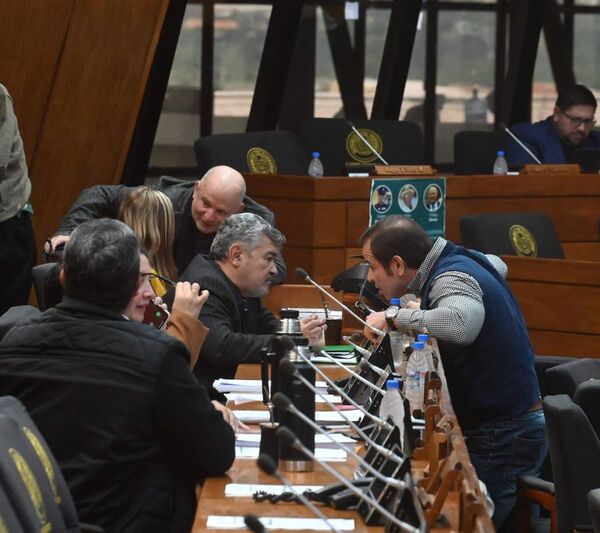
x=558, y=138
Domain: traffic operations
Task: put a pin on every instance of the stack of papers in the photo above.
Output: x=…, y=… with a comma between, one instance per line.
x=321, y=417
x=243, y=490
x=321, y=441
x=246, y=397
x=322, y=454
x=252, y=385
x=277, y=522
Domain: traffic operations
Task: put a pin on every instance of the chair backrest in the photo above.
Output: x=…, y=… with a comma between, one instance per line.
x=8, y=519
x=575, y=456
x=587, y=396
x=542, y=364
x=565, y=378
x=262, y=152
x=16, y=314
x=593, y=499
x=523, y=234
x=398, y=141
x=40, y=274
x=31, y=445
x=475, y=151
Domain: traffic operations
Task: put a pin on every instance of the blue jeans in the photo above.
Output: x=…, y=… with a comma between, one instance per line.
x=503, y=450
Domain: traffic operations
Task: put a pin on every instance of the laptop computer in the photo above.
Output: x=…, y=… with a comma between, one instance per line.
x=588, y=160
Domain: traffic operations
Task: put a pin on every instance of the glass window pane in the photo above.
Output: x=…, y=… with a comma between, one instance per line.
x=466, y=52
x=544, y=88
x=587, y=51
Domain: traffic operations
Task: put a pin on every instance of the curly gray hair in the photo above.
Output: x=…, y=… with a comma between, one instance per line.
x=245, y=229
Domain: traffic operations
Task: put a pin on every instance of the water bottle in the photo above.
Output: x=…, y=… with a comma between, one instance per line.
x=424, y=338
x=416, y=370
x=392, y=404
x=396, y=337
x=315, y=167
x=500, y=165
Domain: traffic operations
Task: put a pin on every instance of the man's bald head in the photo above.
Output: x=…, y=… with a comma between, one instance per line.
x=217, y=195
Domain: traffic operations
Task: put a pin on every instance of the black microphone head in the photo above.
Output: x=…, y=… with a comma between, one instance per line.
x=267, y=464
x=286, y=436
x=281, y=401
x=285, y=365
x=253, y=523
x=302, y=273
x=286, y=343
x=356, y=337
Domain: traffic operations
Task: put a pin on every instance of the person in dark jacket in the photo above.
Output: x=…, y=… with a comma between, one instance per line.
x=240, y=269
x=131, y=428
x=200, y=209
x=555, y=139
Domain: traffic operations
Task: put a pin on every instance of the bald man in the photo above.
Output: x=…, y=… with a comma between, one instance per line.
x=200, y=209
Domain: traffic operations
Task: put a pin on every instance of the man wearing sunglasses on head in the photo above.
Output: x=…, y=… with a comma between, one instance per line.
x=555, y=139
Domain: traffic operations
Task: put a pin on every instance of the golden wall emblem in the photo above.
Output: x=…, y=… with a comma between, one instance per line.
x=44, y=459
x=31, y=484
x=358, y=149
x=523, y=241
x=260, y=161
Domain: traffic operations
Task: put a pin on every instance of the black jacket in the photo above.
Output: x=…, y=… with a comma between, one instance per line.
x=127, y=421
x=240, y=328
x=104, y=201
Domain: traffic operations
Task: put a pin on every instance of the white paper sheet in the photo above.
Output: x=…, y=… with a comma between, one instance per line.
x=321, y=441
x=321, y=417
x=251, y=385
x=277, y=522
x=242, y=490
x=246, y=397
x=323, y=454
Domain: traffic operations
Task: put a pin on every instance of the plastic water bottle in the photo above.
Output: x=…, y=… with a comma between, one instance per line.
x=424, y=338
x=315, y=167
x=500, y=165
x=416, y=370
x=392, y=404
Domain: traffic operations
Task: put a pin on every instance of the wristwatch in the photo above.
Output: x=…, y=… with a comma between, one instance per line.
x=390, y=315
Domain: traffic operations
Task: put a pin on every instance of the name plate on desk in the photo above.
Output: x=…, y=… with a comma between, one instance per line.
x=551, y=169
x=404, y=170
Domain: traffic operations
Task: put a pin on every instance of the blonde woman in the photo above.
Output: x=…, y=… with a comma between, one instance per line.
x=149, y=213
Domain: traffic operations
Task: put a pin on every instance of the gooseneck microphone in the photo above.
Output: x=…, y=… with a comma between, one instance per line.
x=284, y=403
x=254, y=524
x=522, y=145
x=362, y=138
x=304, y=275
x=285, y=435
x=267, y=465
x=350, y=339
x=286, y=366
x=375, y=369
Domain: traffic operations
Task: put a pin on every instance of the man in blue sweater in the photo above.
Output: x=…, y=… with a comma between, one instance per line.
x=555, y=139
x=482, y=337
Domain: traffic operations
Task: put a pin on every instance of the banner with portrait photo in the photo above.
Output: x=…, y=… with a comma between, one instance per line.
x=422, y=199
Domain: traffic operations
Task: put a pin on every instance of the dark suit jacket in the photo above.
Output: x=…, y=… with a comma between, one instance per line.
x=542, y=140
x=240, y=328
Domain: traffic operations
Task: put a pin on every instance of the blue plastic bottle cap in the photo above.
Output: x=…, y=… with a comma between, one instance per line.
x=423, y=337
x=395, y=301
x=418, y=345
x=316, y=154
x=392, y=384
x=500, y=153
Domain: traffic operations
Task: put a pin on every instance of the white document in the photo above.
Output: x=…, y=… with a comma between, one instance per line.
x=251, y=385
x=321, y=417
x=279, y=522
x=242, y=490
x=247, y=397
x=321, y=441
x=322, y=454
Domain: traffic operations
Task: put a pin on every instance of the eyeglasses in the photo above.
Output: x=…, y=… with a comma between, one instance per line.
x=153, y=275
x=578, y=121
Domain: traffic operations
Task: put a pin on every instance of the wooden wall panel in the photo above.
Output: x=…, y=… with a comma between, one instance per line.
x=31, y=42
x=77, y=70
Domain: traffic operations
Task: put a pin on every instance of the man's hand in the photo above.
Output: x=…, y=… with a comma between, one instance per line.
x=52, y=244
x=230, y=418
x=189, y=299
x=313, y=328
x=377, y=320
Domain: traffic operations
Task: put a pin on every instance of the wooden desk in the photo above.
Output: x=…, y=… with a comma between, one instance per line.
x=323, y=218
x=441, y=465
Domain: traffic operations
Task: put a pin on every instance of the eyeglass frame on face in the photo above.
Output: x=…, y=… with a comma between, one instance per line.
x=154, y=275
x=578, y=121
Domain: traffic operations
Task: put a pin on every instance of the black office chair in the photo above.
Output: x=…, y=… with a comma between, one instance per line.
x=575, y=456
x=475, y=151
x=8, y=518
x=261, y=152
x=16, y=314
x=565, y=378
x=45, y=276
x=523, y=234
x=593, y=499
x=587, y=396
x=399, y=142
